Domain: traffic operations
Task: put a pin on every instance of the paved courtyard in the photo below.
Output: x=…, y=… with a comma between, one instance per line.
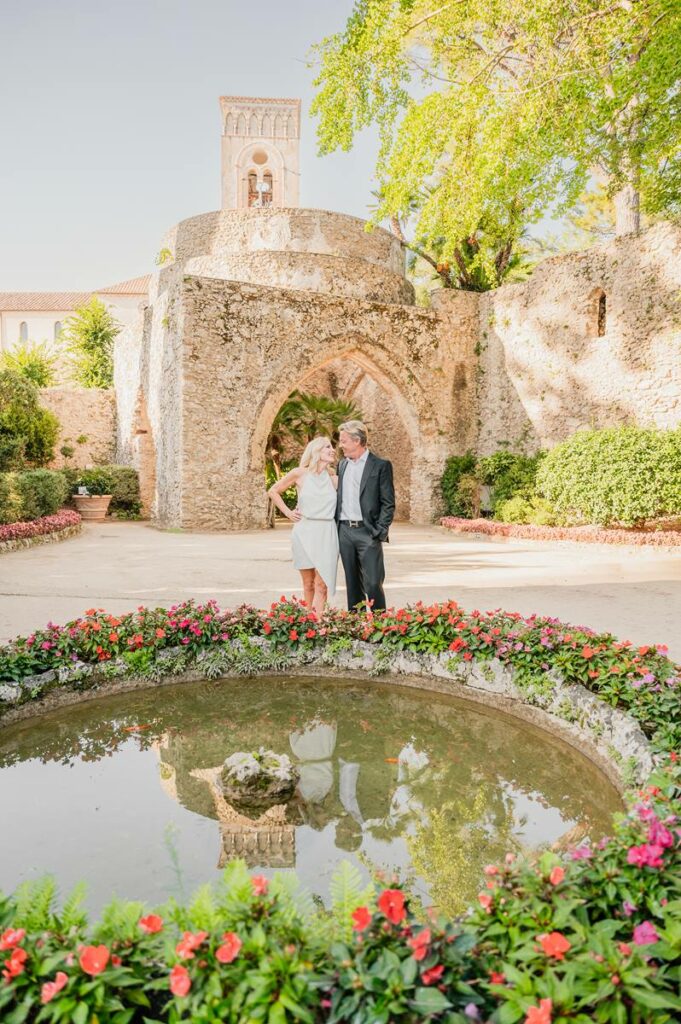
x=635, y=593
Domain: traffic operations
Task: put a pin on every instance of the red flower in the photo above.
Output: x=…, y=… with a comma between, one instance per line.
x=267, y=628
x=188, y=943
x=11, y=938
x=115, y=960
x=160, y=633
x=588, y=652
x=293, y=635
x=361, y=919
x=432, y=975
x=540, y=1014
x=180, y=982
x=624, y=948
x=420, y=944
x=113, y=637
x=229, y=950
x=15, y=964
x=310, y=634
x=458, y=644
x=557, y=876
x=391, y=903
x=555, y=945
x=497, y=977
x=93, y=959
x=151, y=924
x=467, y=656
x=260, y=885
x=50, y=988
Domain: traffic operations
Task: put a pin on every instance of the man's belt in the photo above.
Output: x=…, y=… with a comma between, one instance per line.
x=351, y=522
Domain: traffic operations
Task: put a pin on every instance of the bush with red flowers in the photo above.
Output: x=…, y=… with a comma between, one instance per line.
x=580, y=534
x=39, y=527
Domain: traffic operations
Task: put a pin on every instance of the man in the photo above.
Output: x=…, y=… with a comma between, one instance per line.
x=364, y=511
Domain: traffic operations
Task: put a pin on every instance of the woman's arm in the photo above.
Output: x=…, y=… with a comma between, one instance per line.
x=276, y=490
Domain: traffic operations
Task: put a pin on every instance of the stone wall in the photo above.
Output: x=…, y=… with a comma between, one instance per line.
x=246, y=348
x=545, y=371
x=83, y=412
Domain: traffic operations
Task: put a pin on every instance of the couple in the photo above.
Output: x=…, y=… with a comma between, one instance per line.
x=349, y=513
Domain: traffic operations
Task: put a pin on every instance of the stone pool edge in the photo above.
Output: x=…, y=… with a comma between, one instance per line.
x=608, y=737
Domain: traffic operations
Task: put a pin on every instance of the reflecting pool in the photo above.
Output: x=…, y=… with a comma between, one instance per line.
x=124, y=791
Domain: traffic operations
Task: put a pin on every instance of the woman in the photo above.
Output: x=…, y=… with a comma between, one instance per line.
x=315, y=535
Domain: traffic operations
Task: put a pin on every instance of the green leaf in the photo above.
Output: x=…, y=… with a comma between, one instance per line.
x=429, y=1000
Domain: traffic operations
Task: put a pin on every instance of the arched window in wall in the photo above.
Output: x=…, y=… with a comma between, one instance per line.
x=253, y=126
x=229, y=125
x=23, y=331
x=266, y=126
x=267, y=194
x=57, y=329
x=241, y=125
x=252, y=188
x=278, y=126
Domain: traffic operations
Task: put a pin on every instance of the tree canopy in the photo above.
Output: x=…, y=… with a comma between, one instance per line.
x=492, y=112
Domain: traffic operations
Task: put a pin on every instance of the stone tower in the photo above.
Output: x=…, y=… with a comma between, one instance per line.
x=260, y=152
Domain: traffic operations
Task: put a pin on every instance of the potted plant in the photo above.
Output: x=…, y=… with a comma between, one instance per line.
x=92, y=493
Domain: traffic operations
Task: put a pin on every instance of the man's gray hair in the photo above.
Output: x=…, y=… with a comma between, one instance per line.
x=356, y=429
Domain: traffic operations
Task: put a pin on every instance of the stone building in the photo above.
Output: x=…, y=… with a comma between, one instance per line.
x=263, y=297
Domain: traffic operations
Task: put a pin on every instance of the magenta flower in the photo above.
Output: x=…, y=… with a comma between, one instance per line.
x=628, y=908
x=659, y=835
x=581, y=853
x=645, y=934
x=646, y=855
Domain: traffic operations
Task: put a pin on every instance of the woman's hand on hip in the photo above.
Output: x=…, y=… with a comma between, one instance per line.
x=295, y=515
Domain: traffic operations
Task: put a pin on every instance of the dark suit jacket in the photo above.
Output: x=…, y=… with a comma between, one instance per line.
x=376, y=495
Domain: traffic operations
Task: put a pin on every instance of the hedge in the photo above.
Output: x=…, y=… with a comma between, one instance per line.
x=31, y=494
x=595, y=936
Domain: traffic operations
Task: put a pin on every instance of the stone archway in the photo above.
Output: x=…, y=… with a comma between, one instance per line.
x=144, y=457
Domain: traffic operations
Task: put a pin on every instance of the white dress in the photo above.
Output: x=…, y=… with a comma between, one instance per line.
x=315, y=536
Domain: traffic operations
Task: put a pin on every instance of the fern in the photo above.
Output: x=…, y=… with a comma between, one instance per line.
x=347, y=893
x=73, y=914
x=34, y=905
x=203, y=912
x=120, y=920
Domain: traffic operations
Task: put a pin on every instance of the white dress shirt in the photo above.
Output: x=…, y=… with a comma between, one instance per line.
x=352, y=478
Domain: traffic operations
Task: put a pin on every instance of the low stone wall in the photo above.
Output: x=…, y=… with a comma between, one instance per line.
x=17, y=543
x=610, y=738
x=83, y=412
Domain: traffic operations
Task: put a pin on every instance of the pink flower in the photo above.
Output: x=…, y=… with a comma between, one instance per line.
x=485, y=901
x=581, y=853
x=180, y=982
x=229, y=950
x=557, y=876
x=659, y=835
x=361, y=919
x=628, y=908
x=260, y=885
x=645, y=934
x=189, y=943
x=51, y=988
x=93, y=959
x=645, y=855
x=432, y=975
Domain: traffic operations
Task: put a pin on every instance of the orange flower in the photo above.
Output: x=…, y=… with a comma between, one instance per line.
x=361, y=919
x=15, y=964
x=113, y=637
x=557, y=876
x=160, y=633
x=11, y=938
x=229, y=950
x=540, y=1014
x=180, y=982
x=93, y=959
x=51, y=988
x=588, y=652
x=189, y=942
x=485, y=901
x=555, y=945
x=151, y=924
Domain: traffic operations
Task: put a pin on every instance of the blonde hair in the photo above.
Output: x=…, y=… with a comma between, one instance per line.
x=356, y=429
x=310, y=457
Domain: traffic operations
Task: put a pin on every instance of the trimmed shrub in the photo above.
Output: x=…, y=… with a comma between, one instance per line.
x=125, y=490
x=521, y=509
x=31, y=494
x=510, y=475
x=457, y=466
x=622, y=475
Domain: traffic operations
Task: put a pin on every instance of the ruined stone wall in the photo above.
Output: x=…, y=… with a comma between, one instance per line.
x=246, y=348
x=545, y=371
x=82, y=412
x=294, y=248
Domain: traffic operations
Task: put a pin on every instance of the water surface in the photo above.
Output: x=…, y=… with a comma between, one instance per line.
x=121, y=791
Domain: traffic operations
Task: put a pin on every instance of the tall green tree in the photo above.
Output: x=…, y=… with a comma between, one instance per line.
x=28, y=432
x=89, y=336
x=493, y=112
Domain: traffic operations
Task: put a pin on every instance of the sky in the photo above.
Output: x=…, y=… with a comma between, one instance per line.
x=110, y=125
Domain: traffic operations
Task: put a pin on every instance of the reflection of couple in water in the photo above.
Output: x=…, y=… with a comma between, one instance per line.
x=347, y=514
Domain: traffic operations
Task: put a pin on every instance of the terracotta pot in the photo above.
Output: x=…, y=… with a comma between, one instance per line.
x=92, y=507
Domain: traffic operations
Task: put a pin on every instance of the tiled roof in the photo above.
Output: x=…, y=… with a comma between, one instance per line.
x=135, y=286
x=30, y=302
x=58, y=302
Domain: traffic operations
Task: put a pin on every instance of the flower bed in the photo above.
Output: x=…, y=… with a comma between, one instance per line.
x=66, y=522
x=596, y=936
x=583, y=534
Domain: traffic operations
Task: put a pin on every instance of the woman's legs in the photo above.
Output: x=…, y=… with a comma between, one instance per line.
x=320, y=595
x=308, y=578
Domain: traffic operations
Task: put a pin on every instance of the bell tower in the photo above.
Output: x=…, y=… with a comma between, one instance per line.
x=260, y=152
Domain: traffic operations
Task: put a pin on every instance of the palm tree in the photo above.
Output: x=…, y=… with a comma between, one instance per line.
x=302, y=417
